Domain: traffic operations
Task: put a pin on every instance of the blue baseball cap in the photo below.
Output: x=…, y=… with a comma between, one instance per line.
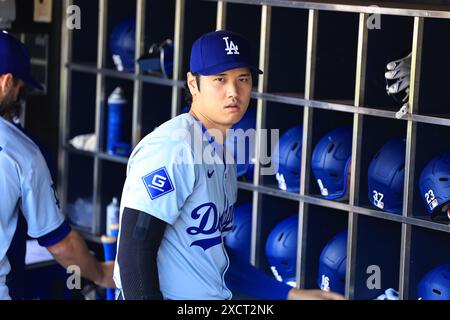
x=218, y=51
x=15, y=59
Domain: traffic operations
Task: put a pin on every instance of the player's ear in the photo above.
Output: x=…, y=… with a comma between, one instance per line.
x=6, y=81
x=192, y=84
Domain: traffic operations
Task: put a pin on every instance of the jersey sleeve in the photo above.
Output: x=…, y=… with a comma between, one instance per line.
x=39, y=201
x=161, y=176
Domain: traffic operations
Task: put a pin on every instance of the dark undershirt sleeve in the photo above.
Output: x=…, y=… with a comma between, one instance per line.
x=140, y=237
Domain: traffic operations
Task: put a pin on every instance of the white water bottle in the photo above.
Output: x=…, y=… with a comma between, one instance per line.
x=112, y=218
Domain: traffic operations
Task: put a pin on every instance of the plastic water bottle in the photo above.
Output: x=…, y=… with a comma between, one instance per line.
x=116, y=120
x=109, y=250
x=112, y=218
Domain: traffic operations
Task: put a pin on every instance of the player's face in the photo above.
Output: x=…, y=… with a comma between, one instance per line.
x=224, y=98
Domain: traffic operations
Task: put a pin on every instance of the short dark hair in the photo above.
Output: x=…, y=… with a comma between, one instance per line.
x=15, y=80
x=188, y=95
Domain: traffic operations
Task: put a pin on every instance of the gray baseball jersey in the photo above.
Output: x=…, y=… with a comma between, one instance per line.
x=178, y=174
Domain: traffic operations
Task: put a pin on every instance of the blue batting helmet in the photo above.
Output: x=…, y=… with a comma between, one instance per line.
x=332, y=264
x=238, y=240
x=288, y=157
x=435, y=285
x=122, y=43
x=434, y=184
x=281, y=250
x=386, y=176
x=331, y=162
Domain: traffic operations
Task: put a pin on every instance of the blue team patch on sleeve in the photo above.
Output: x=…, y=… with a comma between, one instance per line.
x=158, y=183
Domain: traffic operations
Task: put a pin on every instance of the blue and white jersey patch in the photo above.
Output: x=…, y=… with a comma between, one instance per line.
x=158, y=183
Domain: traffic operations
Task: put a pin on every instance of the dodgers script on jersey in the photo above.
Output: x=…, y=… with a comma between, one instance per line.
x=178, y=174
x=25, y=184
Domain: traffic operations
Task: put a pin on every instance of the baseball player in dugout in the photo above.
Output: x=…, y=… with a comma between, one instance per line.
x=25, y=183
x=181, y=186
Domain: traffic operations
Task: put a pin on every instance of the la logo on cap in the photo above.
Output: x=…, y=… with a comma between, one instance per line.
x=231, y=48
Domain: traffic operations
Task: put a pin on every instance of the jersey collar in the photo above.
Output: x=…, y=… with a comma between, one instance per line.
x=217, y=147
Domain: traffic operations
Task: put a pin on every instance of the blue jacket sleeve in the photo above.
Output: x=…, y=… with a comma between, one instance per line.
x=243, y=277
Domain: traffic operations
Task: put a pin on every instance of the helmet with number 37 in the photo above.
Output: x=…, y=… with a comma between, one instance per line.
x=386, y=176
